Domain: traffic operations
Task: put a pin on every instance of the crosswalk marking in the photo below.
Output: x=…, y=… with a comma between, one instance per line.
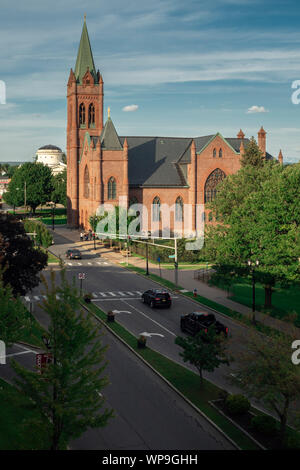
x=112, y=293
x=36, y=297
x=27, y=298
x=107, y=295
x=121, y=293
x=94, y=295
x=70, y=264
x=90, y=264
x=138, y=292
x=102, y=293
x=129, y=293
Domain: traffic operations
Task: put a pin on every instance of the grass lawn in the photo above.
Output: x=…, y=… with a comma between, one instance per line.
x=186, y=381
x=52, y=258
x=15, y=411
x=285, y=301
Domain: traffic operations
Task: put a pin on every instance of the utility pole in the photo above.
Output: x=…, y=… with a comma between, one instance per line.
x=147, y=264
x=176, y=264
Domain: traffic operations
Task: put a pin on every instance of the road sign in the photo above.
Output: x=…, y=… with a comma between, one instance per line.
x=41, y=361
x=171, y=256
x=158, y=259
x=81, y=275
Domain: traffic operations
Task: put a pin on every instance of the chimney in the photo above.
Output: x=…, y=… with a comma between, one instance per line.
x=280, y=157
x=262, y=140
x=242, y=149
x=241, y=134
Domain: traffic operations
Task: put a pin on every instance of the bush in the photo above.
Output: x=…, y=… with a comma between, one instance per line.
x=292, y=441
x=237, y=404
x=264, y=424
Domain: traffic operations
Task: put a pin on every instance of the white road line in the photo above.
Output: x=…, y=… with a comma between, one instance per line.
x=20, y=353
x=138, y=292
x=70, y=264
x=36, y=297
x=122, y=294
x=149, y=318
x=79, y=264
x=112, y=294
x=90, y=264
x=27, y=298
x=98, y=262
x=114, y=299
x=106, y=263
x=25, y=348
x=57, y=297
x=102, y=293
x=129, y=293
x=94, y=295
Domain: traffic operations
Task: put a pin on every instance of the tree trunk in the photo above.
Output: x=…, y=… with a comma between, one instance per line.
x=268, y=296
x=283, y=422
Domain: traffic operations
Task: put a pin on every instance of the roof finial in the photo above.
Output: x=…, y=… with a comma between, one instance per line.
x=108, y=112
x=85, y=17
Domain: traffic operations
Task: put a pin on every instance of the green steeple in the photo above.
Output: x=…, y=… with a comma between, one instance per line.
x=84, y=57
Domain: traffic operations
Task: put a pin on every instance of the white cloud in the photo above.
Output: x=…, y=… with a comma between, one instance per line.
x=130, y=108
x=257, y=109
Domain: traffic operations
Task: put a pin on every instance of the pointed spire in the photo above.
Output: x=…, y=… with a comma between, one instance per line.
x=84, y=57
x=261, y=131
x=109, y=137
x=241, y=134
x=280, y=157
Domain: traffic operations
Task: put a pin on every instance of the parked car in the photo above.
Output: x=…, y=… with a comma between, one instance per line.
x=157, y=298
x=194, y=322
x=73, y=254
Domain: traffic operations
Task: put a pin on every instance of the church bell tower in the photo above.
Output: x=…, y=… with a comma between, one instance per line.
x=84, y=114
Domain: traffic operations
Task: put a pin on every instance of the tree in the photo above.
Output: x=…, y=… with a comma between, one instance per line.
x=33, y=180
x=205, y=350
x=266, y=372
x=12, y=315
x=19, y=260
x=43, y=237
x=252, y=155
x=68, y=392
x=259, y=223
x=59, y=193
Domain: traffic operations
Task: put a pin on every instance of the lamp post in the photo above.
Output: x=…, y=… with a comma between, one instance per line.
x=53, y=205
x=252, y=266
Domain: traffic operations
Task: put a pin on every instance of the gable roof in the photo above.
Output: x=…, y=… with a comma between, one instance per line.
x=84, y=57
x=152, y=161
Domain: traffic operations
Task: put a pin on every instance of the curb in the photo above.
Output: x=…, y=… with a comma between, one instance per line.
x=238, y=426
x=165, y=380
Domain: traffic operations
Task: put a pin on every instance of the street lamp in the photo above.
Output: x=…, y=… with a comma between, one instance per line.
x=46, y=341
x=252, y=266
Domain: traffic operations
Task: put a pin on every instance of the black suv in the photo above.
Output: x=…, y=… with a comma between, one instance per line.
x=73, y=254
x=194, y=322
x=157, y=298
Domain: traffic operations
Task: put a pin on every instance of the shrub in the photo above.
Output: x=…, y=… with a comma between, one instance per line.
x=292, y=441
x=237, y=404
x=265, y=424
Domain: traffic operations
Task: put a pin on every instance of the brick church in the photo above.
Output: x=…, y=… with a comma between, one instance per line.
x=103, y=166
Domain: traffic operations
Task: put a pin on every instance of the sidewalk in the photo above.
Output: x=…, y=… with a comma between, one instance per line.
x=185, y=280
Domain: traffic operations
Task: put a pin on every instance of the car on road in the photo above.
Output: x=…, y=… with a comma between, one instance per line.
x=157, y=298
x=73, y=254
x=194, y=322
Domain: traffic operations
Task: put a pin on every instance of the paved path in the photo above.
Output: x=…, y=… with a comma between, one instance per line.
x=185, y=280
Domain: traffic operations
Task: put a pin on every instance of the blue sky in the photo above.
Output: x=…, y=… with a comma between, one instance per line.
x=191, y=68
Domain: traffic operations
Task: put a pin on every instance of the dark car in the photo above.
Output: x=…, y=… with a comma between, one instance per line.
x=73, y=254
x=194, y=322
x=157, y=298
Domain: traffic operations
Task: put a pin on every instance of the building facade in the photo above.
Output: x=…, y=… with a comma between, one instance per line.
x=51, y=156
x=103, y=167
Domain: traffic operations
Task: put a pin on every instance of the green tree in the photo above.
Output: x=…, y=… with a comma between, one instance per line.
x=59, y=193
x=68, y=392
x=252, y=155
x=33, y=181
x=43, y=237
x=12, y=315
x=265, y=371
x=19, y=260
x=262, y=225
x=205, y=350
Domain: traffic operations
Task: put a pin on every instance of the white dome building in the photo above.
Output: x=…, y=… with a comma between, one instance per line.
x=51, y=156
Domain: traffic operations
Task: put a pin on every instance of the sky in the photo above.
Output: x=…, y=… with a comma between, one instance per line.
x=170, y=68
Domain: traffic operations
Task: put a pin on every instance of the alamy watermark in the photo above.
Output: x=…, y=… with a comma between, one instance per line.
x=296, y=354
x=2, y=92
x=162, y=221
x=2, y=353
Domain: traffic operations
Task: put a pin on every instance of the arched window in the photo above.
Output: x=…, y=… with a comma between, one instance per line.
x=111, y=188
x=81, y=114
x=179, y=209
x=156, y=209
x=214, y=153
x=91, y=115
x=86, y=183
x=220, y=153
x=210, y=189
